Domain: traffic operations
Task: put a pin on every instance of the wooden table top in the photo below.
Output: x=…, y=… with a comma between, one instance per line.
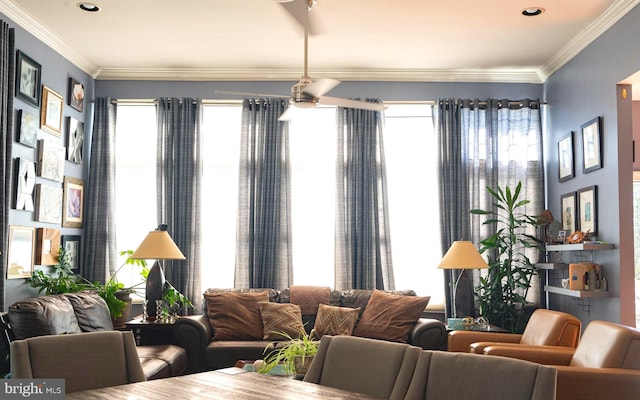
x=230, y=383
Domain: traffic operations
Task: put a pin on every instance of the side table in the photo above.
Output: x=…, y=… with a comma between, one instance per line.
x=151, y=332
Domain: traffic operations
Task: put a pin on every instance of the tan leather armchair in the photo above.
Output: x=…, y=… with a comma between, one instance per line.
x=545, y=328
x=605, y=365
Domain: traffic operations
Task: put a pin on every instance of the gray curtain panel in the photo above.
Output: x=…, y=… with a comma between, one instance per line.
x=363, y=258
x=485, y=143
x=179, y=181
x=7, y=91
x=263, y=244
x=100, y=256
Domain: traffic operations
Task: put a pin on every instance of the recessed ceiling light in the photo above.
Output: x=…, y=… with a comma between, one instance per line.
x=89, y=7
x=532, y=11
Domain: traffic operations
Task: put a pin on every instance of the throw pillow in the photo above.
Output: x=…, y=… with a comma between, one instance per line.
x=335, y=321
x=280, y=318
x=390, y=316
x=235, y=316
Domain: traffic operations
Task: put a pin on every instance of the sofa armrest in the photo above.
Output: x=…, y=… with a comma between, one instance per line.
x=193, y=333
x=548, y=355
x=429, y=333
x=461, y=340
x=597, y=383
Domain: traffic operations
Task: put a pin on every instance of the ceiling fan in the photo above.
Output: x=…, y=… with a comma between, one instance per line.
x=307, y=93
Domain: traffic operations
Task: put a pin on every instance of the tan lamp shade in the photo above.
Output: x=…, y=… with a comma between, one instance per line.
x=463, y=255
x=158, y=245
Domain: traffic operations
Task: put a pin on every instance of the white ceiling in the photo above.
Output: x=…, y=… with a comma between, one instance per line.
x=404, y=40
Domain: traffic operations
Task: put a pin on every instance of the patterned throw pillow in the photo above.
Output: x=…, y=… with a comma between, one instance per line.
x=335, y=321
x=280, y=318
x=235, y=316
x=390, y=316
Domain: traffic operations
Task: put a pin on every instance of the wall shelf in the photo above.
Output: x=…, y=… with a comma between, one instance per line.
x=583, y=294
x=580, y=247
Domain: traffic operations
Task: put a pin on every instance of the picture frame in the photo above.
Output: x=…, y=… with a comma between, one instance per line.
x=592, y=145
x=588, y=209
x=565, y=158
x=73, y=202
x=71, y=244
x=20, y=254
x=25, y=184
x=75, y=140
x=27, y=128
x=50, y=160
x=562, y=235
x=47, y=246
x=28, y=79
x=51, y=112
x=75, y=94
x=568, y=211
x=48, y=203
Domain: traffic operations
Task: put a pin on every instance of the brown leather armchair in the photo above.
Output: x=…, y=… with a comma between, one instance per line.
x=545, y=327
x=605, y=365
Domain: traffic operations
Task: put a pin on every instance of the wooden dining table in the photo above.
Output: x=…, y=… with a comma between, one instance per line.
x=229, y=383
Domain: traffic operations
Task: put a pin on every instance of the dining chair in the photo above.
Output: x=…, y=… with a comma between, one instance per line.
x=374, y=367
x=84, y=360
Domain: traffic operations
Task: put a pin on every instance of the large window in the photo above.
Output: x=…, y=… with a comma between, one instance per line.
x=410, y=150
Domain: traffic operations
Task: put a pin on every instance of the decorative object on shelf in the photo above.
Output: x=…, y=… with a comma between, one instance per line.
x=568, y=214
x=460, y=256
x=25, y=184
x=592, y=145
x=588, y=209
x=502, y=293
x=20, y=258
x=565, y=158
x=577, y=237
x=157, y=245
x=28, y=78
x=47, y=246
x=51, y=112
x=75, y=140
x=28, y=128
x=73, y=202
x=76, y=94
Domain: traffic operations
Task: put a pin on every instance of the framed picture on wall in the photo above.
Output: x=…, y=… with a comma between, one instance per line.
x=20, y=251
x=592, y=145
x=28, y=77
x=75, y=140
x=76, y=94
x=72, y=203
x=565, y=157
x=568, y=214
x=51, y=112
x=47, y=246
x=588, y=209
x=71, y=244
x=27, y=128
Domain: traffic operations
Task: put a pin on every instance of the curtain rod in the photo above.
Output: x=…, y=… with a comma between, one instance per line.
x=235, y=102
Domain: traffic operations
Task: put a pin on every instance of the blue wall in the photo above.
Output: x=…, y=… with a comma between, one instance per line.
x=584, y=88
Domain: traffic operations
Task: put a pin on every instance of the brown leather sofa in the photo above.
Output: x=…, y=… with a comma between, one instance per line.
x=195, y=333
x=605, y=365
x=545, y=328
x=85, y=312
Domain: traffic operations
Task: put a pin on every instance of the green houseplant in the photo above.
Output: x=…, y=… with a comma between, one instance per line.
x=503, y=291
x=295, y=355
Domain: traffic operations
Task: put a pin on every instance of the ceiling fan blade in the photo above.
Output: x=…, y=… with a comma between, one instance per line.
x=287, y=115
x=299, y=11
x=320, y=86
x=348, y=103
x=250, y=94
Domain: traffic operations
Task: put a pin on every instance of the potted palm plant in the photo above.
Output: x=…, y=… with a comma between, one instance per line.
x=502, y=293
x=294, y=356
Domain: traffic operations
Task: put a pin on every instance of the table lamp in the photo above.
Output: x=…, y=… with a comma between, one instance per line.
x=158, y=245
x=461, y=255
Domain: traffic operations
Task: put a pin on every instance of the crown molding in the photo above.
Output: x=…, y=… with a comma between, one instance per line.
x=612, y=15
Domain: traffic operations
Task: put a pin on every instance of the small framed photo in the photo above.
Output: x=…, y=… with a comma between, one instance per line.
x=20, y=252
x=592, y=145
x=568, y=214
x=565, y=158
x=28, y=78
x=562, y=235
x=75, y=140
x=71, y=244
x=76, y=94
x=51, y=112
x=72, y=202
x=27, y=128
x=588, y=209
x=48, y=203
x=48, y=244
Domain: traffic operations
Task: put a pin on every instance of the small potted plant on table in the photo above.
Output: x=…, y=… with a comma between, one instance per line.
x=294, y=355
